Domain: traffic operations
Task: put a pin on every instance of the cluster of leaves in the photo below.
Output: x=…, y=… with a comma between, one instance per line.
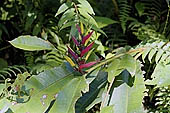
x=62, y=72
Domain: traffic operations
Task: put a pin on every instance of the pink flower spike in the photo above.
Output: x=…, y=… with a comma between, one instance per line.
x=75, y=41
x=86, y=37
x=86, y=49
x=78, y=28
x=87, y=65
x=73, y=54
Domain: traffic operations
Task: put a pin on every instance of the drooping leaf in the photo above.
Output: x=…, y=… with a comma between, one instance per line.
x=94, y=89
x=44, y=88
x=113, y=69
x=129, y=99
x=66, y=99
x=31, y=43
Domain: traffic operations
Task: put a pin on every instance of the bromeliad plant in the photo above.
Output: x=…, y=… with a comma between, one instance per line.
x=79, y=58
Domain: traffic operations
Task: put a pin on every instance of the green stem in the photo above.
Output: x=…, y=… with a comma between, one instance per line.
x=112, y=58
x=167, y=19
x=1, y=49
x=116, y=7
x=107, y=93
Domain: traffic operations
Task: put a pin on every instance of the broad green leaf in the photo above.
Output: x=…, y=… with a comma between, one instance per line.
x=86, y=6
x=129, y=63
x=94, y=89
x=160, y=75
x=63, y=8
x=129, y=99
x=113, y=69
x=104, y=21
x=31, y=43
x=66, y=99
x=107, y=109
x=44, y=88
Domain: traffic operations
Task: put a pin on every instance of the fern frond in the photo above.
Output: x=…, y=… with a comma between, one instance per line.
x=124, y=13
x=49, y=60
x=157, y=51
x=12, y=71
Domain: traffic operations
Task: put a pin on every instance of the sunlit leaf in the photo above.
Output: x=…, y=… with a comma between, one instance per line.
x=66, y=99
x=31, y=43
x=129, y=99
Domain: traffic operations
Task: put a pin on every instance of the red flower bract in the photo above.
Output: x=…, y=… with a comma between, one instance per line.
x=86, y=37
x=86, y=49
x=75, y=41
x=73, y=54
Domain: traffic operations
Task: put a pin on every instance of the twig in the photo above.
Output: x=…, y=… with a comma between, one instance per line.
x=107, y=93
x=1, y=49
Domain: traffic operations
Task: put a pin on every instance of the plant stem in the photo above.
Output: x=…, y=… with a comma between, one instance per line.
x=1, y=49
x=116, y=7
x=167, y=19
x=112, y=58
x=107, y=93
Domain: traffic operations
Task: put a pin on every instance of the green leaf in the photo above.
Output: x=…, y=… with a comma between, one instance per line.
x=107, y=109
x=129, y=99
x=88, y=17
x=145, y=53
x=63, y=8
x=31, y=43
x=113, y=69
x=66, y=99
x=104, y=21
x=151, y=54
x=158, y=55
x=44, y=88
x=129, y=63
x=160, y=75
x=86, y=6
x=94, y=89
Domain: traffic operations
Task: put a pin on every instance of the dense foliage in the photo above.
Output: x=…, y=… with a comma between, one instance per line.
x=84, y=56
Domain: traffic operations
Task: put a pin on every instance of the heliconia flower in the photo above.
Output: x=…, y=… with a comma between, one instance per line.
x=70, y=61
x=81, y=62
x=78, y=28
x=86, y=49
x=73, y=54
x=87, y=65
x=86, y=37
x=75, y=41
